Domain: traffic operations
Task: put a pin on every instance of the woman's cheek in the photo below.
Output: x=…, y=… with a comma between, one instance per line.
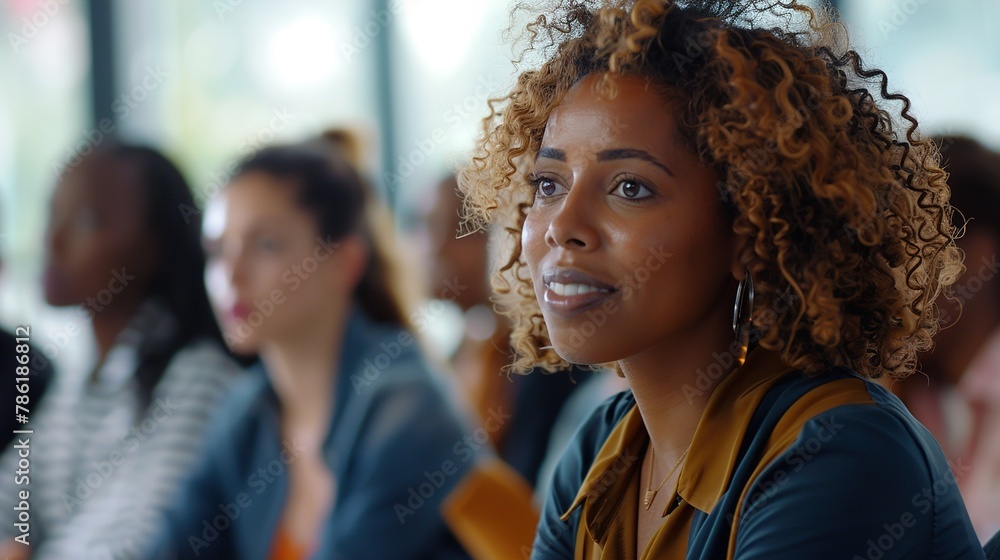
x=533, y=239
x=217, y=285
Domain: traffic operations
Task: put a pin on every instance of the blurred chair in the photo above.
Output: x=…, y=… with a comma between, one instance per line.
x=491, y=513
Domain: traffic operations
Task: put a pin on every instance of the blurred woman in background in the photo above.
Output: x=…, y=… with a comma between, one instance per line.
x=112, y=442
x=35, y=366
x=343, y=444
x=958, y=397
x=458, y=270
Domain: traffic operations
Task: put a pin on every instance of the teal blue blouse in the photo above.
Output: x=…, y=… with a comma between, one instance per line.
x=859, y=480
x=396, y=447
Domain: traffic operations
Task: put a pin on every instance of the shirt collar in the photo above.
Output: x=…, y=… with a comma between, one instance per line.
x=705, y=475
x=152, y=326
x=716, y=445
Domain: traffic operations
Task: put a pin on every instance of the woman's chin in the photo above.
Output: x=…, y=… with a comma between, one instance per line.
x=239, y=341
x=243, y=350
x=583, y=354
x=57, y=293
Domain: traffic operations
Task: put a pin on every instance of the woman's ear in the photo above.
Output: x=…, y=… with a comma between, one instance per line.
x=354, y=256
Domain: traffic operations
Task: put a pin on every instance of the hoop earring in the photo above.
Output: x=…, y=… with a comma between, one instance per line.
x=742, y=324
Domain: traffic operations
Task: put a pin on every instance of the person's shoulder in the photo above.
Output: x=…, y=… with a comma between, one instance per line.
x=609, y=413
x=387, y=384
x=841, y=406
x=246, y=395
x=839, y=444
x=205, y=358
x=591, y=435
x=200, y=370
x=199, y=375
x=408, y=395
x=387, y=362
x=992, y=548
x=236, y=413
x=851, y=429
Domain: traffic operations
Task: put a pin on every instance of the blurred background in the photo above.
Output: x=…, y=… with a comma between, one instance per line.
x=209, y=81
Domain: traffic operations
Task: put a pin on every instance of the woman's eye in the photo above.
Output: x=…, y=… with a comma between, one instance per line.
x=268, y=244
x=632, y=190
x=86, y=219
x=545, y=187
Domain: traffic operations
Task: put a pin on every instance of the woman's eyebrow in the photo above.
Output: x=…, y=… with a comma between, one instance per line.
x=551, y=153
x=264, y=225
x=632, y=153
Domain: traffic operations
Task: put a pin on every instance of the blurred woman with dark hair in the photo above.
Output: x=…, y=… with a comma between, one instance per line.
x=111, y=445
x=958, y=397
x=343, y=444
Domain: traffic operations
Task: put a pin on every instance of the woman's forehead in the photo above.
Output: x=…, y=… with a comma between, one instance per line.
x=636, y=116
x=101, y=179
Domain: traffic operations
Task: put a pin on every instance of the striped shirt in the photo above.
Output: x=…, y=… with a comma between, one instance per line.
x=100, y=467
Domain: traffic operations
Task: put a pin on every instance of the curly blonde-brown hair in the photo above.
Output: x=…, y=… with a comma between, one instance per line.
x=845, y=216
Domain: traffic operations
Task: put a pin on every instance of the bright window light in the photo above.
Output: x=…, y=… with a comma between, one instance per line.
x=441, y=31
x=301, y=55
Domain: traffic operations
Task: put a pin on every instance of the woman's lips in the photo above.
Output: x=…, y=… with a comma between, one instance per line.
x=569, y=292
x=53, y=283
x=240, y=311
x=50, y=278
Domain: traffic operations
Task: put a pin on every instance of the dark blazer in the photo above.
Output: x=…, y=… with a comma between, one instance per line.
x=396, y=448
x=992, y=548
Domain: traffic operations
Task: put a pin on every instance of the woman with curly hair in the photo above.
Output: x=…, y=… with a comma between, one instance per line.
x=715, y=199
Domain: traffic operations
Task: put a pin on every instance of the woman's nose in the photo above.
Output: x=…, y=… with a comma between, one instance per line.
x=573, y=225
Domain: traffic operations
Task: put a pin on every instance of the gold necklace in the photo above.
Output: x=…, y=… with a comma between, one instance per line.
x=650, y=493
